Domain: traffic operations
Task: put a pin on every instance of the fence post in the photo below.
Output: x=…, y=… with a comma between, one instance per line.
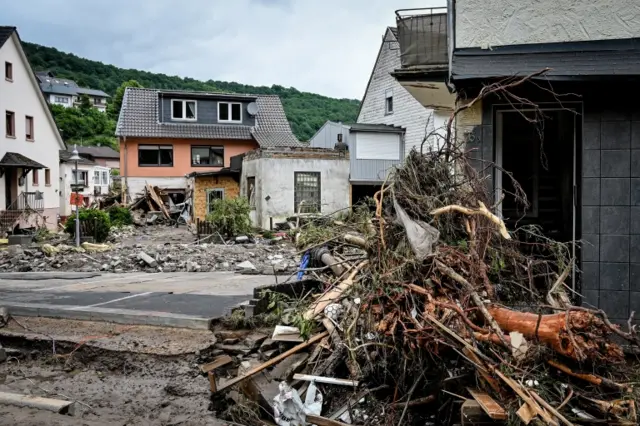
x=198, y=230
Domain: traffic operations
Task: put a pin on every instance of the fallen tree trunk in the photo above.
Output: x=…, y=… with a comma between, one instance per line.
x=575, y=334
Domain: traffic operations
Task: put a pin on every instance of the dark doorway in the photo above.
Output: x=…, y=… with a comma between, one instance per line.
x=360, y=193
x=8, y=185
x=540, y=153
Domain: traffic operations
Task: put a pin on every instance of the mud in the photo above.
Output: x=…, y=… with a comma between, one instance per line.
x=113, y=387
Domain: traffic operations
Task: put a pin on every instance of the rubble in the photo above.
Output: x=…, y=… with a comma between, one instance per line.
x=429, y=296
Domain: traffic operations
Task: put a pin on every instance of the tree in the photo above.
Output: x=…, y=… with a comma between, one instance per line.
x=116, y=102
x=85, y=102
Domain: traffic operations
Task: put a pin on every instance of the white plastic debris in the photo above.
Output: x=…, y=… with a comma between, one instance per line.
x=532, y=383
x=357, y=301
x=288, y=409
x=519, y=345
x=333, y=311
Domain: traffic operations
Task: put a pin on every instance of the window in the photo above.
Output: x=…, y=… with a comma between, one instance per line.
x=388, y=101
x=105, y=178
x=82, y=178
x=47, y=177
x=251, y=191
x=10, y=119
x=155, y=155
x=96, y=177
x=307, y=192
x=212, y=196
x=35, y=176
x=207, y=156
x=28, y=124
x=62, y=100
x=184, y=110
x=230, y=112
x=8, y=71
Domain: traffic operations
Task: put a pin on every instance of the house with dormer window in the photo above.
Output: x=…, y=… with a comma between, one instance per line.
x=167, y=135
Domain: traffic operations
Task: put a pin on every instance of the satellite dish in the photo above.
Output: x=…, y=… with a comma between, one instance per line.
x=252, y=108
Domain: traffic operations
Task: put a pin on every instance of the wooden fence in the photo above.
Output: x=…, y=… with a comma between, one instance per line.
x=206, y=232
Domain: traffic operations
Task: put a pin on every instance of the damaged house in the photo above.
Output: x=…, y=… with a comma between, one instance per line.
x=551, y=112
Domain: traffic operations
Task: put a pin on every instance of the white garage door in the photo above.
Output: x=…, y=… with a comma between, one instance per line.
x=377, y=146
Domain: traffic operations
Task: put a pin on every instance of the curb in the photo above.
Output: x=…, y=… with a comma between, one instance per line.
x=119, y=316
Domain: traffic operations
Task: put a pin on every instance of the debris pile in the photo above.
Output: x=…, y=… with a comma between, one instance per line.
x=155, y=206
x=433, y=312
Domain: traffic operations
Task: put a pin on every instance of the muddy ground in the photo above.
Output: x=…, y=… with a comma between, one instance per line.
x=119, y=375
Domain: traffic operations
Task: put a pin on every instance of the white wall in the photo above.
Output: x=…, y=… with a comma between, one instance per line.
x=55, y=100
x=481, y=23
x=66, y=176
x=22, y=97
x=327, y=136
x=275, y=179
x=407, y=111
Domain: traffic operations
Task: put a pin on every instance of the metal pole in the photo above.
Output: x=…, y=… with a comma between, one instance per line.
x=77, y=210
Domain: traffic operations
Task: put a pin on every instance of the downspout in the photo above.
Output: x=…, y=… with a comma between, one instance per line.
x=451, y=35
x=125, y=187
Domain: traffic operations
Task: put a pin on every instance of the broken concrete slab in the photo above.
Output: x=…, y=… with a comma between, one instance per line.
x=290, y=366
x=246, y=265
x=254, y=340
x=235, y=349
x=147, y=259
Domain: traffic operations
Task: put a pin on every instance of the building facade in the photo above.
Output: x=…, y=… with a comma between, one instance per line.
x=29, y=144
x=67, y=93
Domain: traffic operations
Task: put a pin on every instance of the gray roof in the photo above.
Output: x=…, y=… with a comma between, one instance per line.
x=58, y=89
x=91, y=92
x=65, y=157
x=15, y=159
x=139, y=117
x=5, y=33
x=376, y=128
x=98, y=151
x=43, y=76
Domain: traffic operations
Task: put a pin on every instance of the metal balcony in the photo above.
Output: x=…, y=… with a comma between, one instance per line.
x=28, y=201
x=422, y=36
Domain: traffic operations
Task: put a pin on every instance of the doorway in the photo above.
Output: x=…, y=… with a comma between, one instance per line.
x=10, y=186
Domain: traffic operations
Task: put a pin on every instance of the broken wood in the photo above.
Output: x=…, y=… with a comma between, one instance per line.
x=415, y=402
x=323, y=421
x=156, y=199
x=49, y=404
x=493, y=383
x=325, y=380
x=355, y=240
x=482, y=210
x=552, y=410
x=526, y=413
x=590, y=378
x=488, y=404
x=275, y=360
x=213, y=387
x=220, y=361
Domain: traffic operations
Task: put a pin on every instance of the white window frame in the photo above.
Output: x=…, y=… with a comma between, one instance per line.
x=388, y=94
x=230, y=120
x=210, y=190
x=62, y=100
x=184, y=110
x=96, y=181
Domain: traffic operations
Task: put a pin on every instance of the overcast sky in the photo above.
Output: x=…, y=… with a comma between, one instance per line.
x=321, y=46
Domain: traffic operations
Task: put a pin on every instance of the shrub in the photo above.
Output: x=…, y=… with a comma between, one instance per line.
x=100, y=218
x=120, y=216
x=230, y=217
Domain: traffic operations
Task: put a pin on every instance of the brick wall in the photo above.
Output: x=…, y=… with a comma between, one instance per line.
x=407, y=111
x=202, y=184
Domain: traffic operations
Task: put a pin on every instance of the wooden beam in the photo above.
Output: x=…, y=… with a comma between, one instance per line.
x=220, y=361
x=20, y=400
x=323, y=421
x=325, y=380
x=488, y=404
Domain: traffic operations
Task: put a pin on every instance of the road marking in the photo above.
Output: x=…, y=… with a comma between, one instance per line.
x=112, y=301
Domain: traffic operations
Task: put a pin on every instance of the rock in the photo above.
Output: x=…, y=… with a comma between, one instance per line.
x=4, y=316
x=246, y=265
x=225, y=265
x=286, y=368
x=230, y=341
x=267, y=355
x=115, y=263
x=242, y=239
x=235, y=349
x=104, y=267
x=254, y=340
x=249, y=246
x=47, y=249
x=268, y=344
x=147, y=259
x=96, y=248
x=192, y=267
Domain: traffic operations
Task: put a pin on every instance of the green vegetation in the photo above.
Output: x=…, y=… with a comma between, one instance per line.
x=120, y=216
x=230, y=216
x=85, y=126
x=306, y=112
x=99, y=217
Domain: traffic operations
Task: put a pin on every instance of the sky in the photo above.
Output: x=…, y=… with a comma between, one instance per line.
x=320, y=46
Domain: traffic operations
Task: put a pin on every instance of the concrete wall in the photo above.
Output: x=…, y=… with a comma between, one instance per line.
x=480, y=23
x=22, y=96
x=275, y=180
x=407, y=111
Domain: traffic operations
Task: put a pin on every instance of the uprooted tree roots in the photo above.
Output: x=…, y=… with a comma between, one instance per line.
x=449, y=298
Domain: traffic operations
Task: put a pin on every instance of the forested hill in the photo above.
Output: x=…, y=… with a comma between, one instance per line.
x=307, y=112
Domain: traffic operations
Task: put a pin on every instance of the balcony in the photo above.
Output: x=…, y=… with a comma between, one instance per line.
x=422, y=35
x=28, y=201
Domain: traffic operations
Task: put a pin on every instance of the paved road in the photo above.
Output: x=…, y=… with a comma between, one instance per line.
x=207, y=295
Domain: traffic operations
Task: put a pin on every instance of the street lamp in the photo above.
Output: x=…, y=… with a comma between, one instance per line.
x=75, y=158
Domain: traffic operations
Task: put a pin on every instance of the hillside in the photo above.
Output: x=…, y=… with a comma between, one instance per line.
x=306, y=112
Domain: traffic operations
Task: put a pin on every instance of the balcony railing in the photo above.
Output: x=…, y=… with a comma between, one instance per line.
x=422, y=35
x=28, y=201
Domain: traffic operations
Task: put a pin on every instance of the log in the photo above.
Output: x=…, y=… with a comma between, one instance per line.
x=325, y=380
x=482, y=211
x=590, y=378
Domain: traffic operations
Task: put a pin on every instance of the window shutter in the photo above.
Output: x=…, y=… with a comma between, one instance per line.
x=375, y=146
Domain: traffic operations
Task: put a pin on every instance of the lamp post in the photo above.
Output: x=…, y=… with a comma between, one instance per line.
x=75, y=158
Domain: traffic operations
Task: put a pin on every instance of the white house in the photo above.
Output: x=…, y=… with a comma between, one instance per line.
x=67, y=93
x=29, y=143
x=93, y=180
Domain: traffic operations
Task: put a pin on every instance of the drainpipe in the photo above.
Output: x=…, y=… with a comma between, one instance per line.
x=125, y=187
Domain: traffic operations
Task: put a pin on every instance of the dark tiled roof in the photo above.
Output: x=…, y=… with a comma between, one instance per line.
x=139, y=117
x=91, y=92
x=566, y=60
x=98, y=151
x=65, y=157
x=63, y=89
x=380, y=128
x=5, y=33
x=13, y=159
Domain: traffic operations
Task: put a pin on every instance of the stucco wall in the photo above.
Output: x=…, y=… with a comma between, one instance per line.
x=202, y=184
x=407, y=111
x=66, y=179
x=22, y=97
x=275, y=180
x=481, y=23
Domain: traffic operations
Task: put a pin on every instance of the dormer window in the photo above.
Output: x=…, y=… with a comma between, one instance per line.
x=229, y=112
x=184, y=110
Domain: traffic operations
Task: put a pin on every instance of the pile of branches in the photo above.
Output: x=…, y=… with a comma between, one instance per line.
x=449, y=303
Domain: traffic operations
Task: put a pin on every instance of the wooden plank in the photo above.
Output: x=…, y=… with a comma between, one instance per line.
x=213, y=387
x=323, y=421
x=55, y=405
x=220, y=361
x=156, y=199
x=275, y=360
x=325, y=380
x=526, y=413
x=488, y=404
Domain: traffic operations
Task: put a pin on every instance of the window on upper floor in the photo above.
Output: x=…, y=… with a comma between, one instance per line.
x=28, y=131
x=8, y=71
x=230, y=112
x=184, y=110
x=47, y=177
x=10, y=123
x=61, y=100
x=35, y=177
x=155, y=155
x=388, y=101
x=212, y=156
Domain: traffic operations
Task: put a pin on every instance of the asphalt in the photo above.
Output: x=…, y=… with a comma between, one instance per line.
x=133, y=296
